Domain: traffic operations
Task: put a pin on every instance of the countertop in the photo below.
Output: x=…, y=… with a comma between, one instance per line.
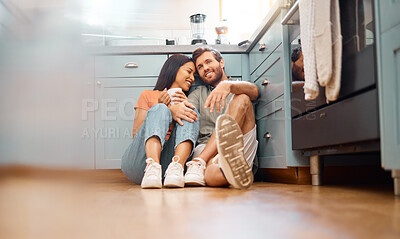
x=223, y=48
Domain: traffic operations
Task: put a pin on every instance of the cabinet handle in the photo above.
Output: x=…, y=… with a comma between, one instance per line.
x=267, y=135
x=265, y=82
x=98, y=82
x=262, y=47
x=131, y=65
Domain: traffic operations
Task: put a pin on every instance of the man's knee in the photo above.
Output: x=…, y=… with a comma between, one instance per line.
x=241, y=101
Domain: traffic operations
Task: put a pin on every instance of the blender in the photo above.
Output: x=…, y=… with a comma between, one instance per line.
x=197, y=22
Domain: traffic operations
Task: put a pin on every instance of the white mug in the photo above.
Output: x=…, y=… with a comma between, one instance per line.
x=171, y=92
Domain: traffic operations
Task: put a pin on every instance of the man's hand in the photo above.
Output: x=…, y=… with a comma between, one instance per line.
x=218, y=96
x=164, y=97
x=181, y=111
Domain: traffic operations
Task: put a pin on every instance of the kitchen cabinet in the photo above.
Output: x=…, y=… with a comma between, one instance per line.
x=114, y=117
x=268, y=61
x=388, y=67
x=119, y=80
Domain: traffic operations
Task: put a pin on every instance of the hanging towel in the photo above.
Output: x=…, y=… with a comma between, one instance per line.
x=306, y=10
x=333, y=87
x=323, y=41
x=322, y=47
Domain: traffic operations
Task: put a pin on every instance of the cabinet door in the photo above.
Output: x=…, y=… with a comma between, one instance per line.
x=271, y=135
x=389, y=10
x=114, y=117
x=389, y=98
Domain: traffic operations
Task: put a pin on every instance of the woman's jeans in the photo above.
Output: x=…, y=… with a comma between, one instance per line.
x=157, y=123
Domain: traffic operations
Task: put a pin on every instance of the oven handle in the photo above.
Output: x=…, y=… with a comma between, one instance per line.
x=286, y=19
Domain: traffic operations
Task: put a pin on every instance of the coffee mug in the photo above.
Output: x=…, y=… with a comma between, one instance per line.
x=171, y=92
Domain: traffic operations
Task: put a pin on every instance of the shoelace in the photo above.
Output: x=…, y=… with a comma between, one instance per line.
x=196, y=168
x=151, y=167
x=174, y=167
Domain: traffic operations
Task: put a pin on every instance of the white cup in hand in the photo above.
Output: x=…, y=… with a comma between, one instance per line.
x=171, y=92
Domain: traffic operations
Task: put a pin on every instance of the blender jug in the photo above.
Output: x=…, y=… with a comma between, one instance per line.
x=197, y=22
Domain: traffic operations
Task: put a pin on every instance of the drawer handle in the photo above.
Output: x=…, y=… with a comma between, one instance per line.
x=267, y=135
x=131, y=65
x=262, y=47
x=265, y=82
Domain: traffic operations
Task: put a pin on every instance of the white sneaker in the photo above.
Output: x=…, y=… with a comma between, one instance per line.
x=152, y=175
x=230, y=153
x=195, y=173
x=174, y=174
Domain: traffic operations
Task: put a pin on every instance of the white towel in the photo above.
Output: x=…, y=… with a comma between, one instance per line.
x=306, y=9
x=333, y=87
x=322, y=47
x=323, y=41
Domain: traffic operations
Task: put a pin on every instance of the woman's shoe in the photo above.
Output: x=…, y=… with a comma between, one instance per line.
x=174, y=174
x=152, y=175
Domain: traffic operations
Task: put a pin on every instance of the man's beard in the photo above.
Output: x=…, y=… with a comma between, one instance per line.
x=217, y=79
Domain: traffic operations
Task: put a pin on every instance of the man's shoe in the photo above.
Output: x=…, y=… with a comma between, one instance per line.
x=195, y=173
x=174, y=174
x=152, y=175
x=230, y=153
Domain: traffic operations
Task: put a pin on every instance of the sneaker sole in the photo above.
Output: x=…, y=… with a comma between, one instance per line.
x=150, y=186
x=174, y=184
x=230, y=153
x=195, y=183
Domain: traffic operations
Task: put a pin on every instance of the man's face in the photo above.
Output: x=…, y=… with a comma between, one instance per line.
x=209, y=69
x=298, y=68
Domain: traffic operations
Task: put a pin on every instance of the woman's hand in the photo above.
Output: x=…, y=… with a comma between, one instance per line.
x=179, y=97
x=164, y=97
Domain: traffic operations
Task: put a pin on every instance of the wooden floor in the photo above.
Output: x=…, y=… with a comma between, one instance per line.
x=108, y=206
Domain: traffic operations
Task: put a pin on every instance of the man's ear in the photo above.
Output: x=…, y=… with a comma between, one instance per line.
x=222, y=63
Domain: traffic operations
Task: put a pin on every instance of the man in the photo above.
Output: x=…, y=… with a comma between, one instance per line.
x=297, y=65
x=297, y=69
x=235, y=135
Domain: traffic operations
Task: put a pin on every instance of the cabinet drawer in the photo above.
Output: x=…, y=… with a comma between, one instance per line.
x=129, y=66
x=271, y=82
x=267, y=44
x=271, y=137
x=388, y=14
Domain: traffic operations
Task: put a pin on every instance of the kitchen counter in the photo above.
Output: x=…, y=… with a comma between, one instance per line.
x=160, y=49
x=223, y=48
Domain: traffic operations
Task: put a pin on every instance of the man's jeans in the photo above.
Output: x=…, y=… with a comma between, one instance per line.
x=157, y=123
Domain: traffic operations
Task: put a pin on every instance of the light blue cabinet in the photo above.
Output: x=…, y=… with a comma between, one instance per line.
x=270, y=70
x=388, y=55
x=119, y=80
x=114, y=117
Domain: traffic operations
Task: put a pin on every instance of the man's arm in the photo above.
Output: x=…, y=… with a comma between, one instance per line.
x=219, y=94
x=244, y=87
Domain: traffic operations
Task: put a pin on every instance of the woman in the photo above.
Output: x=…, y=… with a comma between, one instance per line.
x=159, y=144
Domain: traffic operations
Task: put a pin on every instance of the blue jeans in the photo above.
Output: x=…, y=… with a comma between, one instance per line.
x=157, y=123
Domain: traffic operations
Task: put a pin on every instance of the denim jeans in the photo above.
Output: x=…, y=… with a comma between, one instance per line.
x=157, y=123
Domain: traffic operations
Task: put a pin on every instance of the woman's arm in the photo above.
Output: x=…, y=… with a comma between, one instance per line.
x=140, y=115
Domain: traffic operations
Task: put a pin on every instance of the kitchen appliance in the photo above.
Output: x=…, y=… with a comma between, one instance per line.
x=222, y=32
x=350, y=124
x=197, y=22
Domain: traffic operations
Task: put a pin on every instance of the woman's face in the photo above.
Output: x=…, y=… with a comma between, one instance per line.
x=184, y=77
